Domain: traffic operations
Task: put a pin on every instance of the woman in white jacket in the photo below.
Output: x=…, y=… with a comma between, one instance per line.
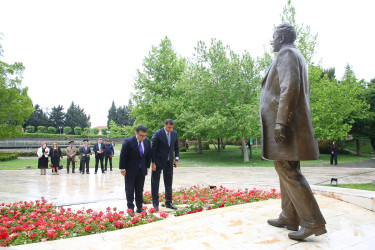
x=43, y=158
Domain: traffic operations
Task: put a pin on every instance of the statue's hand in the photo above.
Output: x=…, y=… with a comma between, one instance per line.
x=279, y=133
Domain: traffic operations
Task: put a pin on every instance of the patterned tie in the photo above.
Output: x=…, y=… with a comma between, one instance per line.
x=140, y=152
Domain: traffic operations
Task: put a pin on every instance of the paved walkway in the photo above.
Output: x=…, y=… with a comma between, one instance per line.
x=243, y=226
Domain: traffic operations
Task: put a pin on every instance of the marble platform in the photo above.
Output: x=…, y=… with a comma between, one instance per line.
x=350, y=226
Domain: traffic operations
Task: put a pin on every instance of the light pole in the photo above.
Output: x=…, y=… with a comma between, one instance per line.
x=60, y=130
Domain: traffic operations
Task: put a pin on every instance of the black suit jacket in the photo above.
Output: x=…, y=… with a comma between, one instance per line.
x=86, y=152
x=96, y=147
x=161, y=150
x=130, y=157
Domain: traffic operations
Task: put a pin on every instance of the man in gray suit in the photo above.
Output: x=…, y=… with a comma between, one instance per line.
x=287, y=135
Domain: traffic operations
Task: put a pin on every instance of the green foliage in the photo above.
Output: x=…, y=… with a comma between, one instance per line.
x=39, y=118
x=67, y=130
x=361, y=186
x=121, y=115
x=76, y=117
x=15, y=105
x=57, y=116
x=51, y=130
x=206, y=146
x=335, y=105
x=104, y=131
x=95, y=131
x=41, y=130
x=77, y=130
x=120, y=131
x=30, y=129
x=8, y=157
x=183, y=149
x=155, y=96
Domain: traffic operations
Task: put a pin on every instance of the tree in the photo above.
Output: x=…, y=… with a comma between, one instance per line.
x=51, y=130
x=15, y=105
x=365, y=127
x=221, y=95
x=42, y=129
x=67, y=130
x=30, y=129
x=57, y=116
x=112, y=113
x=334, y=104
x=154, y=94
x=76, y=117
x=77, y=130
x=38, y=118
x=95, y=131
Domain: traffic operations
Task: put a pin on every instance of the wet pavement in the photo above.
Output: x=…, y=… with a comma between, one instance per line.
x=244, y=226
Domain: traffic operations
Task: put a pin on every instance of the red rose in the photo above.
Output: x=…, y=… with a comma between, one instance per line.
x=110, y=156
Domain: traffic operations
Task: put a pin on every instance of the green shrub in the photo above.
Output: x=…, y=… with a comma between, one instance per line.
x=104, y=131
x=183, y=149
x=95, y=131
x=8, y=157
x=67, y=130
x=51, y=130
x=206, y=146
x=77, y=130
x=84, y=134
x=30, y=129
x=42, y=130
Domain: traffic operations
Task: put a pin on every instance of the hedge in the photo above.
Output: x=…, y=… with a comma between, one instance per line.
x=64, y=136
x=8, y=157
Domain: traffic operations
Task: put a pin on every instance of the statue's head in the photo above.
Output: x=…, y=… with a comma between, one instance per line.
x=284, y=34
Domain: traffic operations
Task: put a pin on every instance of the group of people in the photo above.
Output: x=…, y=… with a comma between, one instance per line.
x=102, y=151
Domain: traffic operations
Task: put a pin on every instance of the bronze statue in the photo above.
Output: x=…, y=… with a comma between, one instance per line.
x=287, y=135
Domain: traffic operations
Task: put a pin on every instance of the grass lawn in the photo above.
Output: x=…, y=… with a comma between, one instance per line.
x=363, y=186
x=365, y=145
x=230, y=157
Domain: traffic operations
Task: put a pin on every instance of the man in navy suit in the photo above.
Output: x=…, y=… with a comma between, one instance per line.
x=135, y=159
x=99, y=155
x=164, y=144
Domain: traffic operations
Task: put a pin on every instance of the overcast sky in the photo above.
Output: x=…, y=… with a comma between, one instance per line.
x=88, y=51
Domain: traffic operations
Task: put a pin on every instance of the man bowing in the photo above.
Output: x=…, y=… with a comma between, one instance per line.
x=164, y=144
x=135, y=159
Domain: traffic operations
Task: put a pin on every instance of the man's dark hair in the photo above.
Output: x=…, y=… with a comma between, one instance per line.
x=288, y=31
x=141, y=128
x=169, y=121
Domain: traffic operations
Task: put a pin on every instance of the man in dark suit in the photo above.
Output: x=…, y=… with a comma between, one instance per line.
x=164, y=144
x=287, y=135
x=85, y=153
x=99, y=155
x=135, y=159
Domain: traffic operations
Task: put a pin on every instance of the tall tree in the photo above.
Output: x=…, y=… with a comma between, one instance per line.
x=57, y=116
x=76, y=117
x=38, y=118
x=335, y=105
x=112, y=114
x=154, y=94
x=15, y=105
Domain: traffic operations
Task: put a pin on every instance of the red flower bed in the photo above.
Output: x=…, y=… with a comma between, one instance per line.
x=205, y=198
x=29, y=222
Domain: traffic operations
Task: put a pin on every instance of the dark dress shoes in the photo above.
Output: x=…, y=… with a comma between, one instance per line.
x=280, y=222
x=171, y=206
x=305, y=232
x=140, y=210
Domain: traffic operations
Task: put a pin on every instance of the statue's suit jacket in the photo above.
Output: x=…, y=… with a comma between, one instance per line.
x=285, y=100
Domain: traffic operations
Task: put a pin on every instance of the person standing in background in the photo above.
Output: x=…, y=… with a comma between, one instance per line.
x=43, y=158
x=71, y=156
x=109, y=151
x=85, y=153
x=333, y=151
x=55, y=156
